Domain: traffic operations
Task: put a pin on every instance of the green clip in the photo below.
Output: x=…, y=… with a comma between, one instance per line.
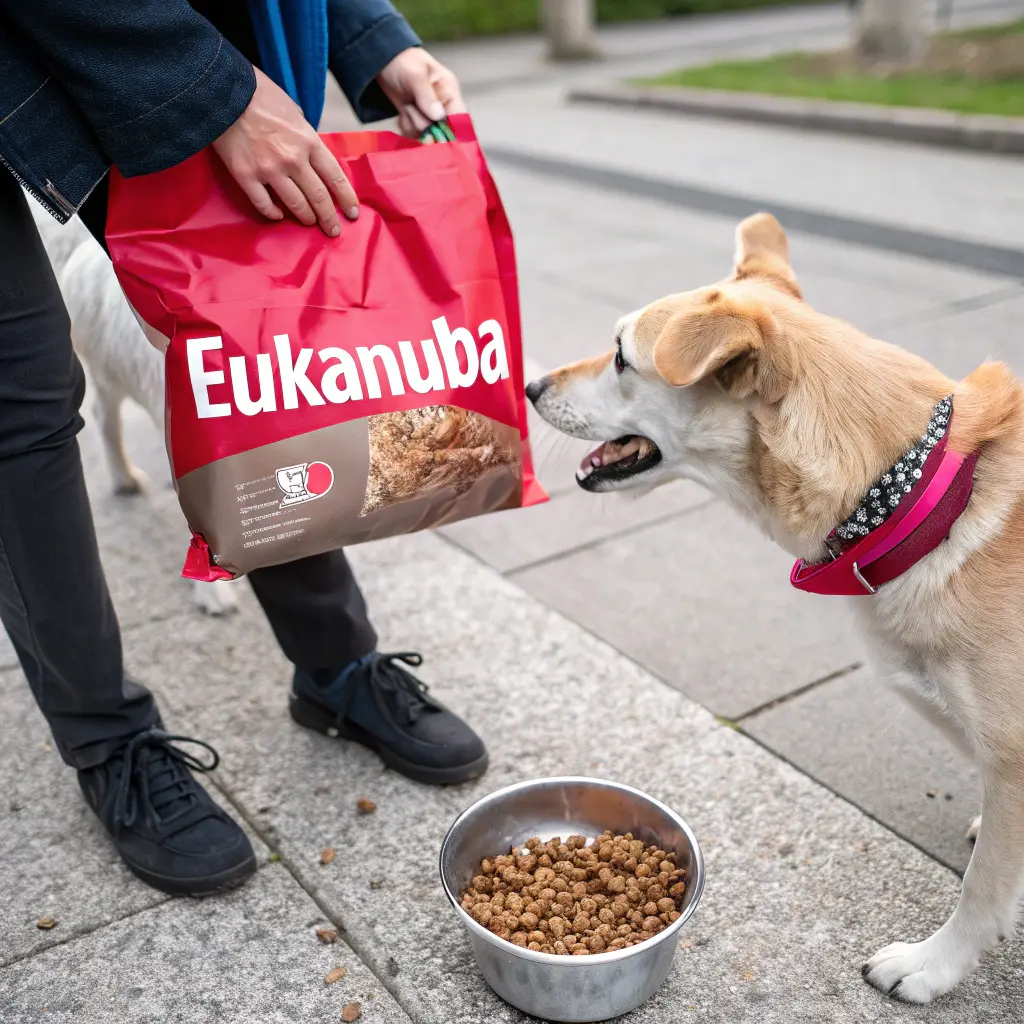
x=439, y=131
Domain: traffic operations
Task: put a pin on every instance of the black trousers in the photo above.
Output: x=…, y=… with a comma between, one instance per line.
x=54, y=601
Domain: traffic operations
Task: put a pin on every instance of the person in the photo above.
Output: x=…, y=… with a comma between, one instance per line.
x=143, y=85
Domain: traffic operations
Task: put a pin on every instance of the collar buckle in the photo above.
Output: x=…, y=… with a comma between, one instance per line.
x=859, y=577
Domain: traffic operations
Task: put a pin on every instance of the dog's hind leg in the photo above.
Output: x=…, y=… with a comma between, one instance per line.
x=985, y=914
x=217, y=598
x=127, y=478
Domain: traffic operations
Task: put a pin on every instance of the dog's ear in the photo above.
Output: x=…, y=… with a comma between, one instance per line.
x=762, y=250
x=735, y=339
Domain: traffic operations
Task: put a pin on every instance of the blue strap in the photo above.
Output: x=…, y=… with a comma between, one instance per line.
x=306, y=21
x=292, y=39
x=273, y=43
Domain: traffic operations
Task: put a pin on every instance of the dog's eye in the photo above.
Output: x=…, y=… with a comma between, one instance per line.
x=620, y=363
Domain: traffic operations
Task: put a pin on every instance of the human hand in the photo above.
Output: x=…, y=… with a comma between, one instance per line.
x=272, y=147
x=422, y=89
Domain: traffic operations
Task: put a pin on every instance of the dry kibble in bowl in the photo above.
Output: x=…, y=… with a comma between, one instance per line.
x=575, y=898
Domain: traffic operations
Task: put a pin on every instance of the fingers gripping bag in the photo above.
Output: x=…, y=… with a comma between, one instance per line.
x=323, y=391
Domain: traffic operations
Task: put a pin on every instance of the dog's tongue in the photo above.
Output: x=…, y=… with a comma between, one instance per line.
x=614, y=451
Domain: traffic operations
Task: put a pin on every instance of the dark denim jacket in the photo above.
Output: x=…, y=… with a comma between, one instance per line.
x=145, y=84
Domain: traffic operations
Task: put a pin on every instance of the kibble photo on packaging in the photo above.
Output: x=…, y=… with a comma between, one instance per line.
x=423, y=451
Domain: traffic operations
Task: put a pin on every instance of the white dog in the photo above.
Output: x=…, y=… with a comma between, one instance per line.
x=121, y=361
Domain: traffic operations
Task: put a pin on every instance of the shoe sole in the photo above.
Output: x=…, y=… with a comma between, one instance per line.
x=311, y=717
x=211, y=885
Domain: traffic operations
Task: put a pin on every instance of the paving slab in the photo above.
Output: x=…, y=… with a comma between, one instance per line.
x=960, y=342
x=51, y=843
x=704, y=602
x=801, y=885
x=56, y=858
x=559, y=225
x=855, y=735
x=248, y=956
x=633, y=282
x=938, y=285
x=970, y=196
x=873, y=289
x=576, y=282
x=571, y=520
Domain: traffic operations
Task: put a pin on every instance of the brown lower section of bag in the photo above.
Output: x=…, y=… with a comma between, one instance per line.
x=307, y=494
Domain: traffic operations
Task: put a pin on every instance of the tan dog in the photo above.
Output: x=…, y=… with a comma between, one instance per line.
x=794, y=418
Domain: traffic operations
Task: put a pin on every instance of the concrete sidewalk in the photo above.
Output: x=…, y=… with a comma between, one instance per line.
x=588, y=635
x=801, y=885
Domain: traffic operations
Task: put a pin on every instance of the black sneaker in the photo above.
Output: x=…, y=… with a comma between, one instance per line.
x=376, y=702
x=165, y=826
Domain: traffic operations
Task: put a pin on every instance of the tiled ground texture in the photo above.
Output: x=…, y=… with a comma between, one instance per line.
x=802, y=885
x=249, y=956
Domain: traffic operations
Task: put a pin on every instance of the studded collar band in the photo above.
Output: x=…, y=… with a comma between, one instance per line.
x=904, y=516
x=893, y=486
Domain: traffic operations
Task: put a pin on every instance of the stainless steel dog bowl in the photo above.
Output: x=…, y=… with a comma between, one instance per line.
x=568, y=988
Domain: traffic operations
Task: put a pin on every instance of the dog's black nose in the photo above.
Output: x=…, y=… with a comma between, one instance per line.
x=536, y=388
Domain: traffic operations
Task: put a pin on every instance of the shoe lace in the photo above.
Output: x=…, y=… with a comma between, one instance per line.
x=155, y=779
x=407, y=696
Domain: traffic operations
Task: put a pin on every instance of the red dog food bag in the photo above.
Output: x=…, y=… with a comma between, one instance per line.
x=323, y=392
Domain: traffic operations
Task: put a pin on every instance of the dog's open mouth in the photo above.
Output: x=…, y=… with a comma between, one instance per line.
x=616, y=460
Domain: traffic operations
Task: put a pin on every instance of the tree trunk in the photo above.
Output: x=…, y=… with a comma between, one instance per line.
x=569, y=26
x=891, y=31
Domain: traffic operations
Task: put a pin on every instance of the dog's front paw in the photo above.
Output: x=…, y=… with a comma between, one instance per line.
x=916, y=972
x=217, y=598
x=972, y=832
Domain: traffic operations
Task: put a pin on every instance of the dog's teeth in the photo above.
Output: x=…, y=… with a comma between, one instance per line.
x=631, y=447
x=591, y=461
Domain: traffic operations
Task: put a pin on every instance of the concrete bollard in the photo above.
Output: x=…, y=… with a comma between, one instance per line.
x=569, y=27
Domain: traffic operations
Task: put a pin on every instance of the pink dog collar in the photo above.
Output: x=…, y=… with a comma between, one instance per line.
x=920, y=524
